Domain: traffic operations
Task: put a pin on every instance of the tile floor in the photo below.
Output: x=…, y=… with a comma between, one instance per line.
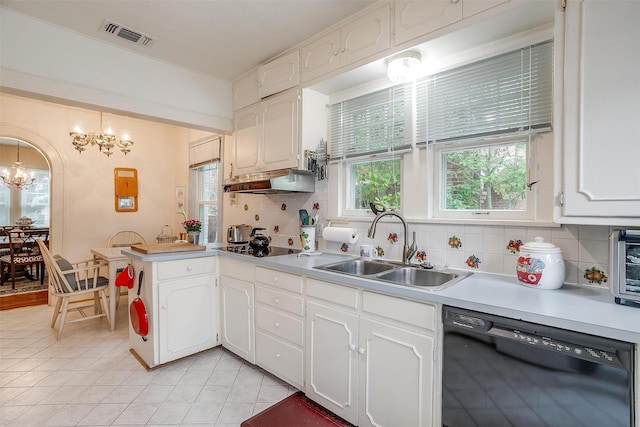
x=89, y=378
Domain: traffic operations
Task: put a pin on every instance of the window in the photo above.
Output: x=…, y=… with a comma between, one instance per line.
x=367, y=134
x=205, y=187
x=480, y=120
x=374, y=181
x=34, y=201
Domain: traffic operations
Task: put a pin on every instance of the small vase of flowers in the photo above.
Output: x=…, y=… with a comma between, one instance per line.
x=193, y=228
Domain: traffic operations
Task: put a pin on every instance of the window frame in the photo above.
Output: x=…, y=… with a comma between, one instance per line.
x=348, y=195
x=439, y=190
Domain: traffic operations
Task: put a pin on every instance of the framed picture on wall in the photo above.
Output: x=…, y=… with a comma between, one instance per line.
x=180, y=196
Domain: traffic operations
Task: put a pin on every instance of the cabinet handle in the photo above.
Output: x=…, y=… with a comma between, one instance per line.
x=361, y=350
x=276, y=300
x=250, y=306
x=188, y=268
x=275, y=279
x=277, y=324
x=277, y=355
x=352, y=347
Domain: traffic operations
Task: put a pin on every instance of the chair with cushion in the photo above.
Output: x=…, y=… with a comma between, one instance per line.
x=23, y=254
x=70, y=280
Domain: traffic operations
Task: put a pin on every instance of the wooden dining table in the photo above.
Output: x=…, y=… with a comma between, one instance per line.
x=116, y=260
x=25, y=242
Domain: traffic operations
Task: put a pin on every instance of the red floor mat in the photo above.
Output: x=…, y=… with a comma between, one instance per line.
x=294, y=411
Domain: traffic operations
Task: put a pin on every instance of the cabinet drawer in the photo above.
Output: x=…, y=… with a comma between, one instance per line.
x=240, y=270
x=186, y=267
x=289, y=303
x=337, y=294
x=280, y=325
x=281, y=359
x=414, y=313
x=279, y=279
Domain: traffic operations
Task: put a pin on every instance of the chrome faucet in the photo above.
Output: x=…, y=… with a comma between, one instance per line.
x=407, y=251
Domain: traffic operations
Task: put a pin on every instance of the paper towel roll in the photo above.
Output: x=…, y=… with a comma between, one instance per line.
x=340, y=234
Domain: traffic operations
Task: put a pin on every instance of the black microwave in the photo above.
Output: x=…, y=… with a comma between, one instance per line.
x=625, y=266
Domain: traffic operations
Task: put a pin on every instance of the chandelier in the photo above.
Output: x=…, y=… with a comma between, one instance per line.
x=20, y=180
x=105, y=140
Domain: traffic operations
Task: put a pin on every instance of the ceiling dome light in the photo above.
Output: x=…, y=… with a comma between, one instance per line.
x=404, y=67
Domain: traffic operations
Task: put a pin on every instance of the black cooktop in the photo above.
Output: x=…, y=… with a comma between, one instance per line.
x=273, y=250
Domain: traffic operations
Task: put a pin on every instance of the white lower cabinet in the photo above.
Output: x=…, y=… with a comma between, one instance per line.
x=188, y=319
x=181, y=301
x=366, y=366
x=280, y=325
x=237, y=301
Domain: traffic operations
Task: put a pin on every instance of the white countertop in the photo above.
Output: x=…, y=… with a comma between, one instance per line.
x=584, y=309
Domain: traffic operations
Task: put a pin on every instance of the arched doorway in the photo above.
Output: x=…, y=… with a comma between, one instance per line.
x=23, y=201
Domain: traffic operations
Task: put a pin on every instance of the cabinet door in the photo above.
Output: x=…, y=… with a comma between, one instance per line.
x=415, y=18
x=602, y=105
x=237, y=317
x=245, y=91
x=278, y=75
x=320, y=57
x=396, y=376
x=188, y=316
x=332, y=362
x=246, y=135
x=365, y=36
x=280, y=132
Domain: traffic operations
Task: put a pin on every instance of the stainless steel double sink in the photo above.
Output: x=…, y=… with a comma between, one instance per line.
x=396, y=273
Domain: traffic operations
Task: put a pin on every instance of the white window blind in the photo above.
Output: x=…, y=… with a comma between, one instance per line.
x=502, y=95
x=375, y=123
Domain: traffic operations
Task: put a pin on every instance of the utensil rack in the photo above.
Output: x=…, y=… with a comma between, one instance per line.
x=316, y=160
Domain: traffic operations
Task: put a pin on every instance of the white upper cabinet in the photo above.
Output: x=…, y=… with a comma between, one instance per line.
x=365, y=36
x=321, y=56
x=246, y=138
x=415, y=18
x=266, y=135
x=278, y=75
x=245, y=91
x=354, y=41
x=601, y=137
x=418, y=17
x=280, y=138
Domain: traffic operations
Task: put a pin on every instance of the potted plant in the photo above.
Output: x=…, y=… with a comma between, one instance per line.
x=193, y=228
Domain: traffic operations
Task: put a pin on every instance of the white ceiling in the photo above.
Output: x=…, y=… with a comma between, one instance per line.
x=223, y=38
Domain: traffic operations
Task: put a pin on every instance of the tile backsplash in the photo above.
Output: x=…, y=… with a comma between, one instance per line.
x=487, y=248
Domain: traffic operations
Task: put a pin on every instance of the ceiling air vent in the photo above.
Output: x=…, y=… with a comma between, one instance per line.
x=118, y=30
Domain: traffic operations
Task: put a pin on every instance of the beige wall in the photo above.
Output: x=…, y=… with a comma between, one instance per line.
x=82, y=201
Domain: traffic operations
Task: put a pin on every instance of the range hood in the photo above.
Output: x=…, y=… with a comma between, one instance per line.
x=280, y=181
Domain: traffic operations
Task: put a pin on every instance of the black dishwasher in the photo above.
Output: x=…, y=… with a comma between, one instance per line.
x=499, y=371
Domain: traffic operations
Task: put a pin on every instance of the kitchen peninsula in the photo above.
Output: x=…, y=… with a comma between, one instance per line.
x=179, y=293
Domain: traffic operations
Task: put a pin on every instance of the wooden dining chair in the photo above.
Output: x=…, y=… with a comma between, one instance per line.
x=70, y=280
x=24, y=254
x=125, y=238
